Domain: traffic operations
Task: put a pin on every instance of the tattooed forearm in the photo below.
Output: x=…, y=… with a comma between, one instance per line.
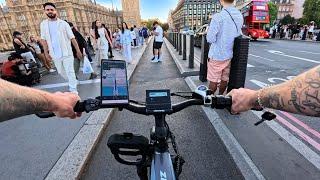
x=16, y=101
x=300, y=95
x=273, y=99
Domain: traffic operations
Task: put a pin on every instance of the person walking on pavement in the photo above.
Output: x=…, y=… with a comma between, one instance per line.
x=136, y=31
x=36, y=46
x=224, y=27
x=144, y=32
x=57, y=37
x=125, y=41
x=93, y=42
x=158, y=40
x=82, y=46
x=110, y=47
x=21, y=48
x=102, y=40
x=133, y=37
x=311, y=30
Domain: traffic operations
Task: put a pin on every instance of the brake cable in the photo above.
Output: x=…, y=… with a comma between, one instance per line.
x=139, y=103
x=179, y=161
x=178, y=94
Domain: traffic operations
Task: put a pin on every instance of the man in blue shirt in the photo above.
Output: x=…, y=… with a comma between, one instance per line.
x=221, y=34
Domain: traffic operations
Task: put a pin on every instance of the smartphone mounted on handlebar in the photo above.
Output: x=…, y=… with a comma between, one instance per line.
x=114, y=83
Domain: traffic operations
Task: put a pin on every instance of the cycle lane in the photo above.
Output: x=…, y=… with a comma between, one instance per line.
x=205, y=155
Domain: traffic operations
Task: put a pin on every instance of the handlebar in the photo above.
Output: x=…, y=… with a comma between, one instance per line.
x=218, y=102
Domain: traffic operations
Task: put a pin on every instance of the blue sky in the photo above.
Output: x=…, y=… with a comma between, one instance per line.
x=149, y=8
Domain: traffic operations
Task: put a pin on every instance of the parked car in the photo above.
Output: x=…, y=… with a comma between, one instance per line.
x=187, y=32
x=198, y=35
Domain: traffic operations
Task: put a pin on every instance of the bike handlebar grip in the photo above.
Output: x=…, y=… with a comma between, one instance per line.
x=221, y=102
x=257, y=109
x=79, y=107
x=45, y=115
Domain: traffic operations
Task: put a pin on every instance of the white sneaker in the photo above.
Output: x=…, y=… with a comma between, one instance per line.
x=52, y=70
x=160, y=60
x=155, y=61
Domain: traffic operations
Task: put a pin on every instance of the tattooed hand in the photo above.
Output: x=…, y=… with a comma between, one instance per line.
x=300, y=95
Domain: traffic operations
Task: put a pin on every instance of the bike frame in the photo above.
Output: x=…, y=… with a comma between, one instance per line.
x=161, y=166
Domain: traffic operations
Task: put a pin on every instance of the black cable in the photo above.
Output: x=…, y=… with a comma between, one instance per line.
x=139, y=103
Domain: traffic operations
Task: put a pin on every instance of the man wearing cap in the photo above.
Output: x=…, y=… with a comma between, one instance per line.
x=57, y=37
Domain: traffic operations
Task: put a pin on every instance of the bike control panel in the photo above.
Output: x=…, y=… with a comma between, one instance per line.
x=158, y=100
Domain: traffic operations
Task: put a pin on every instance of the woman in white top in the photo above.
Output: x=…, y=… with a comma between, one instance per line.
x=134, y=37
x=101, y=38
x=125, y=41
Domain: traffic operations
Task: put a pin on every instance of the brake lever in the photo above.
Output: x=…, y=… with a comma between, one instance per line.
x=267, y=116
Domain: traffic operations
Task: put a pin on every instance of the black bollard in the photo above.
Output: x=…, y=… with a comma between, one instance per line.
x=238, y=69
x=175, y=40
x=204, y=59
x=184, y=56
x=191, y=55
x=178, y=39
x=180, y=44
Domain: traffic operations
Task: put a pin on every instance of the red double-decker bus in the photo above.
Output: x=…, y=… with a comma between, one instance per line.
x=256, y=19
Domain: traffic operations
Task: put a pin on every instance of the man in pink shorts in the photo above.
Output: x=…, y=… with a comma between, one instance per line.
x=223, y=29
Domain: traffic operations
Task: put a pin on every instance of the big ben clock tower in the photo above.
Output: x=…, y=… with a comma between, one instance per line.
x=131, y=12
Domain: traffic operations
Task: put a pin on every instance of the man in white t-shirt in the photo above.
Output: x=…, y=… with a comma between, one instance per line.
x=158, y=40
x=57, y=37
x=311, y=30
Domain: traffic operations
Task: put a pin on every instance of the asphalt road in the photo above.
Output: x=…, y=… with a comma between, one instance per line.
x=273, y=62
x=205, y=154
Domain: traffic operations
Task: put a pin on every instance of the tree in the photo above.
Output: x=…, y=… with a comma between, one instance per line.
x=273, y=12
x=165, y=26
x=311, y=11
x=288, y=20
x=150, y=22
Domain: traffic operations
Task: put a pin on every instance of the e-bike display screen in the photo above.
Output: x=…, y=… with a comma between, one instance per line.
x=114, y=83
x=158, y=100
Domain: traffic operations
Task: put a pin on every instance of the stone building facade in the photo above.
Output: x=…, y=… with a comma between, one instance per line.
x=26, y=15
x=193, y=13
x=131, y=12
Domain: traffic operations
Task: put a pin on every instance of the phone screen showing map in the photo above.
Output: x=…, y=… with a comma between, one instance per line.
x=114, y=85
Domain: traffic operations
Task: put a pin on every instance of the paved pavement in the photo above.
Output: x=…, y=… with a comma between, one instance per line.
x=205, y=155
x=31, y=146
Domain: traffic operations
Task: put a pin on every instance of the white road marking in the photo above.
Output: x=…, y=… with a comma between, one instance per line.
x=259, y=45
x=297, y=144
x=309, y=52
x=295, y=57
x=57, y=85
x=250, y=66
x=261, y=57
x=245, y=164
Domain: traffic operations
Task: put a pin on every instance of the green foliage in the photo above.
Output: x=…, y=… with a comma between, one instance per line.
x=288, y=20
x=165, y=26
x=311, y=11
x=273, y=12
x=149, y=24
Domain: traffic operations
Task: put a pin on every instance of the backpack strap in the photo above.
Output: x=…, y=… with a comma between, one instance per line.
x=232, y=20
